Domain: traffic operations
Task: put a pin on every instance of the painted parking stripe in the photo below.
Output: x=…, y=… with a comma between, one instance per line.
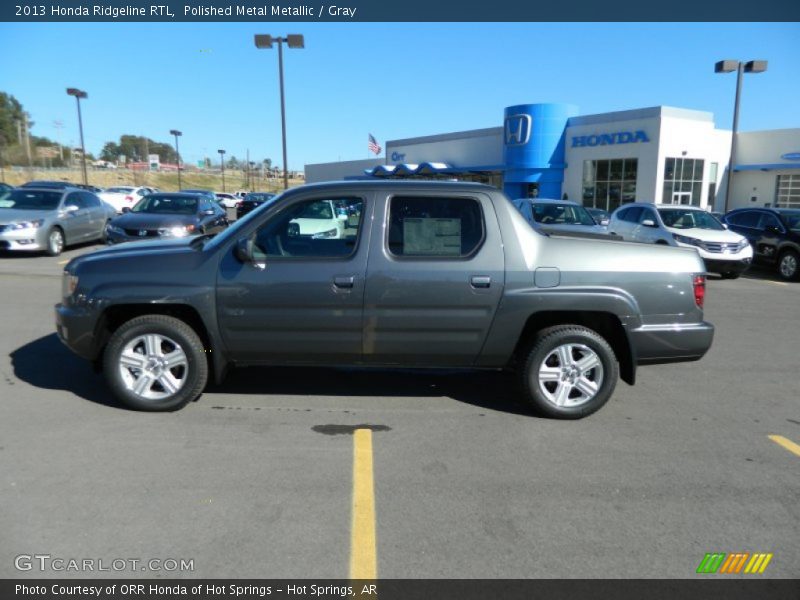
x=786, y=443
x=63, y=262
x=363, y=558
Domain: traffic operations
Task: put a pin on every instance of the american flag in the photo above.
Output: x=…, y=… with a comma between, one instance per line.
x=373, y=145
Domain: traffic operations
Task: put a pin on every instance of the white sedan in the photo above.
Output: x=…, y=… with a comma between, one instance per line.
x=123, y=196
x=227, y=200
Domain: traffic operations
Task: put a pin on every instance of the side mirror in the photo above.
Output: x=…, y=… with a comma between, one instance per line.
x=725, y=225
x=244, y=253
x=126, y=209
x=649, y=223
x=70, y=208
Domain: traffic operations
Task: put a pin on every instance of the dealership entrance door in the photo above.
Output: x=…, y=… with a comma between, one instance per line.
x=681, y=197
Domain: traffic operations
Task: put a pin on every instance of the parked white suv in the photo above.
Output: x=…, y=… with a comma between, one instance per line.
x=123, y=196
x=723, y=251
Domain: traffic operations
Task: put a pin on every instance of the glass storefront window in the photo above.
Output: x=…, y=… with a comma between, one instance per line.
x=609, y=183
x=683, y=178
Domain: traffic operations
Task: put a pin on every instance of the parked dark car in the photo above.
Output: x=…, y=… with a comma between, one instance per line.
x=600, y=216
x=251, y=201
x=774, y=234
x=208, y=194
x=60, y=185
x=428, y=274
x=167, y=215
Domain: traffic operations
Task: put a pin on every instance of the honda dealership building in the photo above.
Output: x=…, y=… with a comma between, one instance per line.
x=660, y=154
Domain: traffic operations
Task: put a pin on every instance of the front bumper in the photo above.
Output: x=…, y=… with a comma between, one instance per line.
x=75, y=327
x=653, y=344
x=727, y=266
x=30, y=240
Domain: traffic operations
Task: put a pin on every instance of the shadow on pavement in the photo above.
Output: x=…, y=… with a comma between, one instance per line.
x=485, y=389
x=46, y=363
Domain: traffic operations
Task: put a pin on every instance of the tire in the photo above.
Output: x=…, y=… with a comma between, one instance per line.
x=789, y=265
x=568, y=394
x=55, y=241
x=104, y=233
x=135, y=369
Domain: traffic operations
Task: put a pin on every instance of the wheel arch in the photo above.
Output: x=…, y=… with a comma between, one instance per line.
x=606, y=324
x=116, y=315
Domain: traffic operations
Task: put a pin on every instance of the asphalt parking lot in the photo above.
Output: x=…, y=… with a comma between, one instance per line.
x=256, y=478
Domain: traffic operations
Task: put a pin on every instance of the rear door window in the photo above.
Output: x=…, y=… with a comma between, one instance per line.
x=434, y=227
x=747, y=218
x=631, y=215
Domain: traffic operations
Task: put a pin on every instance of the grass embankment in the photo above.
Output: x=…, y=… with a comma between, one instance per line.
x=234, y=180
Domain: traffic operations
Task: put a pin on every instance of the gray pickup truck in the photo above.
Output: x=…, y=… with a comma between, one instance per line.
x=423, y=274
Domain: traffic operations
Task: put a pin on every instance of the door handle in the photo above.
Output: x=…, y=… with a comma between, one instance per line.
x=344, y=282
x=480, y=281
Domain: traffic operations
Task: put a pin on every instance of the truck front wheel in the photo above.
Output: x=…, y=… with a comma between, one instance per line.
x=569, y=372
x=155, y=363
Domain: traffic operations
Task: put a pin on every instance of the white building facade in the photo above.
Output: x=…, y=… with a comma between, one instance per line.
x=660, y=154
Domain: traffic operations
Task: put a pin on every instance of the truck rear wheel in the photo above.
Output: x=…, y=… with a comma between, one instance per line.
x=569, y=372
x=155, y=363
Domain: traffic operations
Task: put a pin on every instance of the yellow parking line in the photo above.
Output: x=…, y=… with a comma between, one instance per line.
x=786, y=443
x=775, y=282
x=63, y=262
x=363, y=559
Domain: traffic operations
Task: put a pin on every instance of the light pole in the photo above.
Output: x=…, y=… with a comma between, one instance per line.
x=78, y=95
x=293, y=40
x=728, y=66
x=222, y=166
x=177, y=134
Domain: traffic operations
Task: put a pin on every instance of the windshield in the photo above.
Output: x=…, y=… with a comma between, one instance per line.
x=258, y=197
x=175, y=205
x=239, y=224
x=791, y=218
x=678, y=218
x=561, y=214
x=120, y=190
x=29, y=200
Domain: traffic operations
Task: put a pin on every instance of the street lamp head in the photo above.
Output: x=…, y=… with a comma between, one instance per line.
x=295, y=40
x=263, y=41
x=221, y=151
x=726, y=66
x=77, y=93
x=175, y=132
x=755, y=66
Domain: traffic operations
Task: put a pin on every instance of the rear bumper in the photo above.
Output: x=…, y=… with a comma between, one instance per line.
x=654, y=344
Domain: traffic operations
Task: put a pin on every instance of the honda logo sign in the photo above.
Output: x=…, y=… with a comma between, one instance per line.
x=518, y=130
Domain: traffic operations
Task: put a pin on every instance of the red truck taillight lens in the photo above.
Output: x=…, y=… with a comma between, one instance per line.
x=699, y=284
x=129, y=198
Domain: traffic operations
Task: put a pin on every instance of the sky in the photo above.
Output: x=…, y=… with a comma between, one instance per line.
x=394, y=80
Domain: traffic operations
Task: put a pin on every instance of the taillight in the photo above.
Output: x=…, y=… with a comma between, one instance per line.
x=129, y=198
x=699, y=284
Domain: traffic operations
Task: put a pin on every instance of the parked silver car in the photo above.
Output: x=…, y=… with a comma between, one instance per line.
x=42, y=219
x=560, y=217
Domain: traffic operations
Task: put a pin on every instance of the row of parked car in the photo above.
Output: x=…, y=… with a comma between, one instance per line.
x=728, y=243
x=49, y=215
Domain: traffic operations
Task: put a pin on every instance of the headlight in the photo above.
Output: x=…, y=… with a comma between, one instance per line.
x=687, y=240
x=331, y=233
x=115, y=229
x=69, y=283
x=25, y=225
x=181, y=231
x=743, y=244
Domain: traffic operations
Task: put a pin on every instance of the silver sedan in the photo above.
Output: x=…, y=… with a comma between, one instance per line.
x=41, y=219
